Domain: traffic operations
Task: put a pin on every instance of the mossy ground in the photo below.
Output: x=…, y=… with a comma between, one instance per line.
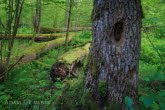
x=29, y=85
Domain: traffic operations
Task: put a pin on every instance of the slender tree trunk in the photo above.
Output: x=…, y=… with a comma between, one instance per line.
x=10, y=18
x=66, y=12
x=68, y=21
x=113, y=61
x=36, y=18
x=18, y=11
x=77, y=13
x=55, y=20
x=2, y=27
x=9, y=27
x=12, y=32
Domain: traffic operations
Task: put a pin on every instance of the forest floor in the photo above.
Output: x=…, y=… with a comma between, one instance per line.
x=30, y=87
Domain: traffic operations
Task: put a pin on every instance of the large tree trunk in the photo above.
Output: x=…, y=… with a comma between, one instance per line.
x=113, y=62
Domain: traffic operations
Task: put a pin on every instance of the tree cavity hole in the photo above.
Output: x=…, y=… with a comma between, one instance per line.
x=118, y=30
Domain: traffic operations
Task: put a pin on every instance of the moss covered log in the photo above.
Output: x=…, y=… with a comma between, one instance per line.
x=57, y=30
x=68, y=62
x=33, y=52
x=40, y=37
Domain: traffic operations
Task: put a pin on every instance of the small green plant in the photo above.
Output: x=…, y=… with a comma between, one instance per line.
x=129, y=103
x=102, y=88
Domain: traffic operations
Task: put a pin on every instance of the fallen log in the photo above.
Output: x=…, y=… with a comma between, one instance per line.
x=40, y=37
x=57, y=30
x=69, y=62
x=33, y=52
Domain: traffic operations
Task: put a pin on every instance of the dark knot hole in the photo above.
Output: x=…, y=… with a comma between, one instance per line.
x=118, y=30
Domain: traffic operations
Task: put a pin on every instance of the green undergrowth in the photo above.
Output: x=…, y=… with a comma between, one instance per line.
x=151, y=92
x=151, y=73
x=18, y=48
x=151, y=87
x=152, y=49
x=75, y=96
x=151, y=83
x=29, y=85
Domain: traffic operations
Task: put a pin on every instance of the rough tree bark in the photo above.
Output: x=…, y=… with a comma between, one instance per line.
x=113, y=60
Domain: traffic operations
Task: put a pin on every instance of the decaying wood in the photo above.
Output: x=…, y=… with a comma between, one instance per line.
x=71, y=29
x=41, y=37
x=34, y=51
x=68, y=62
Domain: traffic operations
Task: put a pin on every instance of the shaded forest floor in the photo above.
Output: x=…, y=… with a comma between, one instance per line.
x=29, y=85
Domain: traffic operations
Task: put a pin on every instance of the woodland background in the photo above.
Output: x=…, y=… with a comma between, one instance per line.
x=31, y=81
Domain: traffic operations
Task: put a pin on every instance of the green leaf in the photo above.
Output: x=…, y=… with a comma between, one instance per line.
x=43, y=83
x=162, y=106
x=2, y=87
x=146, y=79
x=54, y=108
x=162, y=93
x=147, y=101
x=35, y=107
x=155, y=106
x=128, y=101
x=4, y=98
